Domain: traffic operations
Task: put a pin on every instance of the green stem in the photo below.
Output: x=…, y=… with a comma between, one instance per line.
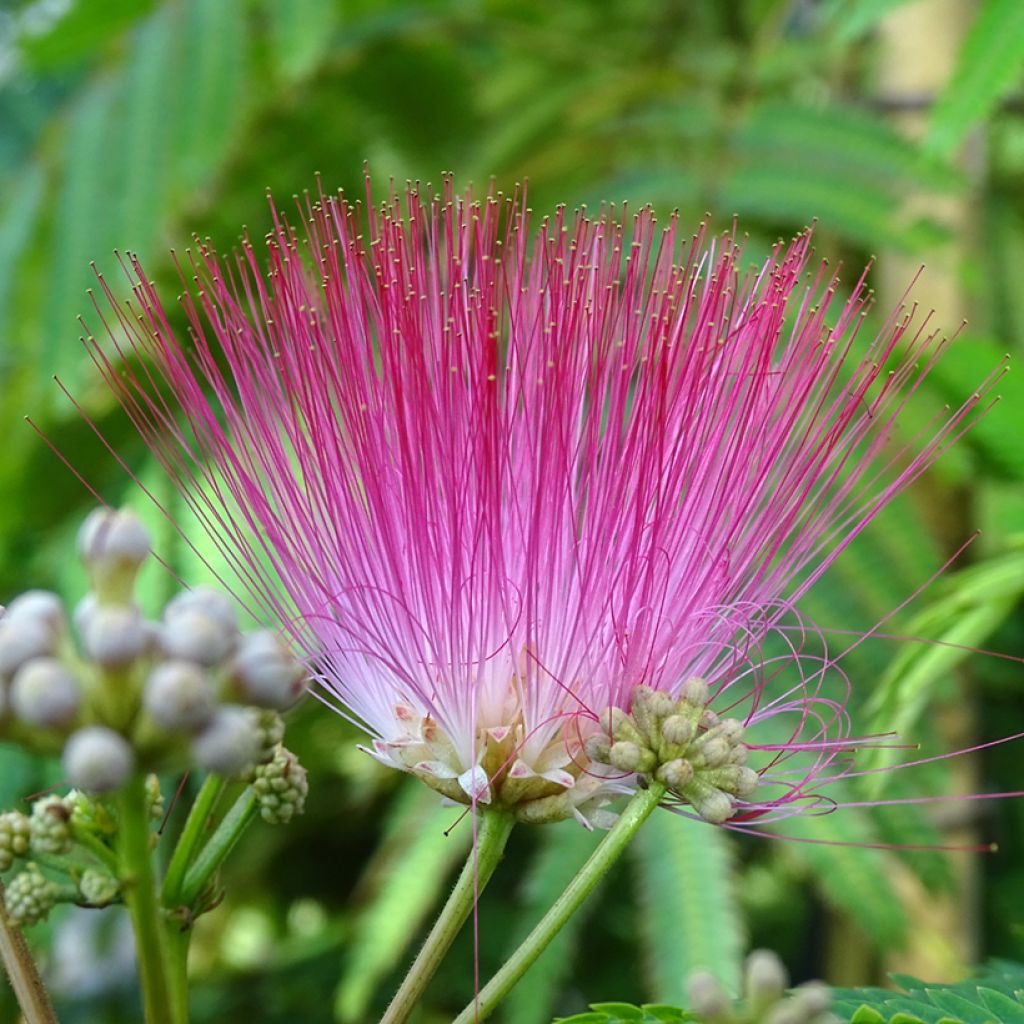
x=138, y=886
x=221, y=843
x=179, y=936
x=99, y=849
x=195, y=825
x=495, y=826
x=607, y=852
x=29, y=990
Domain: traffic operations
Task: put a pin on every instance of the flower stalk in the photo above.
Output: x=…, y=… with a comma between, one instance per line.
x=607, y=853
x=495, y=827
x=29, y=990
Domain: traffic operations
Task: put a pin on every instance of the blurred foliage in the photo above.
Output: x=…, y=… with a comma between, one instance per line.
x=134, y=123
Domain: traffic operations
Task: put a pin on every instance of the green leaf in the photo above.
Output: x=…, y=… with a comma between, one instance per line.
x=853, y=18
x=407, y=875
x=564, y=849
x=967, y=1010
x=300, y=33
x=867, y=1015
x=688, y=916
x=1005, y=1009
x=990, y=62
x=87, y=27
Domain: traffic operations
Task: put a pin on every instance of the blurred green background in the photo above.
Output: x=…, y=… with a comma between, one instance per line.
x=897, y=126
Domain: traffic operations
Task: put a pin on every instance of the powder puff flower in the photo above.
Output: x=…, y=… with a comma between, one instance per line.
x=532, y=502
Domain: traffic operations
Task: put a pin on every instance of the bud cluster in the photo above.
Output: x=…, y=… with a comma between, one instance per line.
x=118, y=693
x=765, y=999
x=697, y=755
x=119, y=697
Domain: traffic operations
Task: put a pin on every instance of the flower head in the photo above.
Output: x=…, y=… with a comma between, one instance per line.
x=494, y=479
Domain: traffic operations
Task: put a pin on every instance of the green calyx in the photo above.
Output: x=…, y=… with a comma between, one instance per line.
x=681, y=743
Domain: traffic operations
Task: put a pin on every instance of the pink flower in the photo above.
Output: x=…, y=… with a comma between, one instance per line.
x=491, y=484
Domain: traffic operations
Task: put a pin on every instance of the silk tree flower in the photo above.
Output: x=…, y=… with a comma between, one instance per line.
x=493, y=480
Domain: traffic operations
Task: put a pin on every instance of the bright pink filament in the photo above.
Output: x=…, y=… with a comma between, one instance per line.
x=461, y=463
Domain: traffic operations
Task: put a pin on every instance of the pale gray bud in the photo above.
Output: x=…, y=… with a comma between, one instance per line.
x=109, y=536
x=229, y=743
x=42, y=606
x=714, y=807
x=115, y=635
x=265, y=673
x=177, y=695
x=695, y=691
x=22, y=641
x=50, y=825
x=44, y=693
x=192, y=635
x=98, y=760
x=708, y=999
x=207, y=601
x=765, y=980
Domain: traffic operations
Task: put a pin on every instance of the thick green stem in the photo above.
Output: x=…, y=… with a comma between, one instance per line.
x=495, y=826
x=607, y=852
x=221, y=843
x=29, y=990
x=138, y=886
x=179, y=936
x=198, y=821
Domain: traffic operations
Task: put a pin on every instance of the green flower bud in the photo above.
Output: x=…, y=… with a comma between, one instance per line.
x=598, y=747
x=154, y=798
x=630, y=757
x=695, y=691
x=281, y=787
x=177, y=695
x=15, y=836
x=678, y=730
x=30, y=896
x=98, y=760
x=229, y=743
x=269, y=732
x=98, y=888
x=675, y=774
x=50, y=825
x=44, y=693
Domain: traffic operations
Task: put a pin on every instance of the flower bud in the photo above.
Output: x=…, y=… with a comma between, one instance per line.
x=264, y=672
x=45, y=694
x=98, y=760
x=269, y=726
x=42, y=606
x=30, y=896
x=113, y=545
x=22, y=640
x=229, y=743
x=629, y=757
x=97, y=887
x=15, y=836
x=177, y=695
x=206, y=601
x=114, y=635
x=714, y=806
x=707, y=997
x=50, y=825
x=192, y=635
x=154, y=798
x=695, y=691
x=281, y=787
x=678, y=730
x=765, y=980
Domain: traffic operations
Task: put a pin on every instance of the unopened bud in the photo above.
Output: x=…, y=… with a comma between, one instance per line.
x=50, y=825
x=281, y=787
x=40, y=606
x=269, y=726
x=630, y=757
x=265, y=673
x=154, y=798
x=15, y=836
x=206, y=601
x=695, y=691
x=707, y=997
x=45, y=694
x=192, y=635
x=715, y=752
x=814, y=998
x=98, y=760
x=714, y=807
x=97, y=887
x=115, y=635
x=598, y=747
x=676, y=774
x=113, y=545
x=30, y=896
x=229, y=743
x=177, y=695
x=765, y=980
x=21, y=641
x=678, y=730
